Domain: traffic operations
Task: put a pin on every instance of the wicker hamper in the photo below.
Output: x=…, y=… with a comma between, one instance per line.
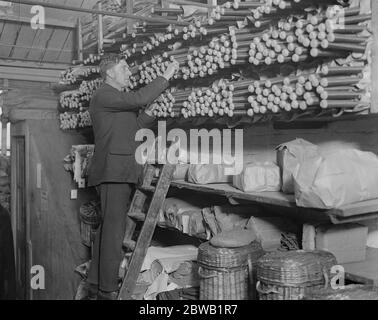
x=352, y=292
x=227, y=273
x=89, y=221
x=291, y=275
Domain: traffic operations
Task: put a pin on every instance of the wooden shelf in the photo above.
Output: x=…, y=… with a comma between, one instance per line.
x=365, y=272
x=365, y=210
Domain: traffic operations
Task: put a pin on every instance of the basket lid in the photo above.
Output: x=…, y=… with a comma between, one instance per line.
x=235, y=238
x=211, y=256
x=295, y=267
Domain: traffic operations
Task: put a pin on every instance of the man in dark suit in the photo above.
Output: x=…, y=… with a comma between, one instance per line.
x=114, y=170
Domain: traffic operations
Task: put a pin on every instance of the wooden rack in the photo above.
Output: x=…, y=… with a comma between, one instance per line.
x=365, y=272
x=360, y=211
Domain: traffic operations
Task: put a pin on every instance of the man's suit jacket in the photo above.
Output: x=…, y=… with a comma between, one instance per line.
x=115, y=120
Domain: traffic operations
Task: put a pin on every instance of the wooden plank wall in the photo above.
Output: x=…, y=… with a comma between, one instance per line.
x=54, y=218
x=260, y=142
x=374, y=74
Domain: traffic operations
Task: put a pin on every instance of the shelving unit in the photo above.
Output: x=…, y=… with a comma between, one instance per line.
x=365, y=272
x=365, y=210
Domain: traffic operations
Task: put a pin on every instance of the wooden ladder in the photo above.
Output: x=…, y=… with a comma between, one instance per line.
x=139, y=248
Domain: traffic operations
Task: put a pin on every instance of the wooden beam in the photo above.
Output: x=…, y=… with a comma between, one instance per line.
x=93, y=11
x=30, y=74
x=374, y=73
x=130, y=10
x=2, y=44
x=191, y=3
x=48, y=22
x=26, y=63
x=16, y=114
x=100, y=37
x=80, y=55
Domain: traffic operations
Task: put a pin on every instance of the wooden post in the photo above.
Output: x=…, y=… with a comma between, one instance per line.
x=308, y=237
x=211, y=3
x=100, y=31
x=4, y=137
x=3, y=134
x=4, y=121
x=80, y=55
x=130, y=10
x=374, y=73
x=164, y=4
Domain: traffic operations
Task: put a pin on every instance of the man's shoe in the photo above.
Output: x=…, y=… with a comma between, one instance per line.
x=92, y=292
x=102, y=295
x=86, y=291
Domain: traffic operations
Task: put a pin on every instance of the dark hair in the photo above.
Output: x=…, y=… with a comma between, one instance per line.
x=108, y=61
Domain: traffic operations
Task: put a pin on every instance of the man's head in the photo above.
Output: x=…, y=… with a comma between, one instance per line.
x=114, y=68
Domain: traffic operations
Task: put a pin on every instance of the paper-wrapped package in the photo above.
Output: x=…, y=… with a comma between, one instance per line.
x=181, y=172
x=207, y=174
x=337, y=179
x=259, y=177
x=219, y=219
x=173, y=208
x=269, y=230
x=289, y=157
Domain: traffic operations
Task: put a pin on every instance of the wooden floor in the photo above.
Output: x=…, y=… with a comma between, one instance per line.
x=364, y=272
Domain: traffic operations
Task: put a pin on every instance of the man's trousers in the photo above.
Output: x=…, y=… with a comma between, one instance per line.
x=107, y=251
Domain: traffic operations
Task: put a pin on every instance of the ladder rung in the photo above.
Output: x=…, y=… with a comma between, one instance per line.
x=129, y=244
x=147, y=188
x=151, y=219
x=137, y=215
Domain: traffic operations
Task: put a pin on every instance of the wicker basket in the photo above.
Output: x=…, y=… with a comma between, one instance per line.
x=88, y=234
x=89, y=222
x=227, y=274
x=352, y=292
x=291, y=275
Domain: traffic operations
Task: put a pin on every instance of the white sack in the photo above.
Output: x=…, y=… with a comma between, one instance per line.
x=259, y=177
x=337, y=179
x=207, y=174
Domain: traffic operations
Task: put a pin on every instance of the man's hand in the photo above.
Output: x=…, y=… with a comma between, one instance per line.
x=171, y=70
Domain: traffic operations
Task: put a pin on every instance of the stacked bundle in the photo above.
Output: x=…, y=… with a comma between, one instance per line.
x=330, y=88
x=260, y=59
x=77, y=74
x=74, y=105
